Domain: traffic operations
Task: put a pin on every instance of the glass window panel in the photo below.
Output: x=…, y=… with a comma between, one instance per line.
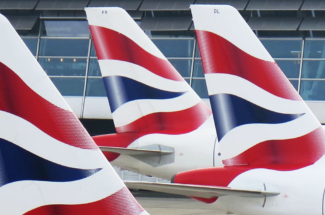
x=32, y=32
x=313, y=69
x=312, y=90
x=69, y=86
x=294, y=84
x=198, y=69
x=95, y=87
x=175, y=48
x=182, y=66
x=314, y=49
x=65, y=28
x=197, y=50
x=290, y=68
x=31, y=43
x=283, y=48
x=92, y=50
x=64, y=66
x=187, y=80
x=200, y=87
x=64, y=47
x=94, y=69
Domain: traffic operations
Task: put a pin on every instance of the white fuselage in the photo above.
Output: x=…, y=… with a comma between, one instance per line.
x=197, y=149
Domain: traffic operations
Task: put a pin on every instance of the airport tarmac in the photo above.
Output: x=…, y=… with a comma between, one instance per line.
x=156, y=204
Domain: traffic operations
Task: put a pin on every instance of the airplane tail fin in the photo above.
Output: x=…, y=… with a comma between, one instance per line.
x=48, y=162
x=145, y=92
x=260, y=118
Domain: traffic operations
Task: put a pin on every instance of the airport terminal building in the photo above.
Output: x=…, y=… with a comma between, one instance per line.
x=57, y=33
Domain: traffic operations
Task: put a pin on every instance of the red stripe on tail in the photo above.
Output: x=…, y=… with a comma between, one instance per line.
x=159, y=123
x=119, y=203
x=302, y=151
x=178, y=122
x=112, y=45
x=19, y=99
x=221, y=56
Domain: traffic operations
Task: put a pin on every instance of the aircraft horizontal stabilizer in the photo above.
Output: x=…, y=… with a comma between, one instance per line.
x=134, y=152
x=197, y=190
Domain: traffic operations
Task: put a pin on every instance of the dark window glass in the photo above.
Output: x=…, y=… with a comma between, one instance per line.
x=312, y=90
x=182, y=66
x=65, y=28
x=283, y=34
x=34, y=31
x=31, y=43
x=314, y=49
x=319, y=14
x=69, y=86
x=95, y=87
x=197, y=51
x=290, y=68
x=175, y=48
x=94, y=69
x=294, y=84
x=283, y=48
x=200, y=87
x=187, y=80
x=198, y=69
x=92, y=50
x=64, y=66
x=64, y=47
x=313, y=69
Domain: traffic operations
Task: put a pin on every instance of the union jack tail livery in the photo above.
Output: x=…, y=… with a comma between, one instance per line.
x=49, y=163
x=260, y=118
x=145, y=92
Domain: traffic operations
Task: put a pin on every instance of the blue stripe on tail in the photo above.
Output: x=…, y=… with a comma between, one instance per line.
x=18, y=164
x=231, y=111
x=121, y=90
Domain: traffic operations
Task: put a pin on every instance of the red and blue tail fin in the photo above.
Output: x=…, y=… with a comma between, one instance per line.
x=145, y=92
x=260, y=118
x=48, y=162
